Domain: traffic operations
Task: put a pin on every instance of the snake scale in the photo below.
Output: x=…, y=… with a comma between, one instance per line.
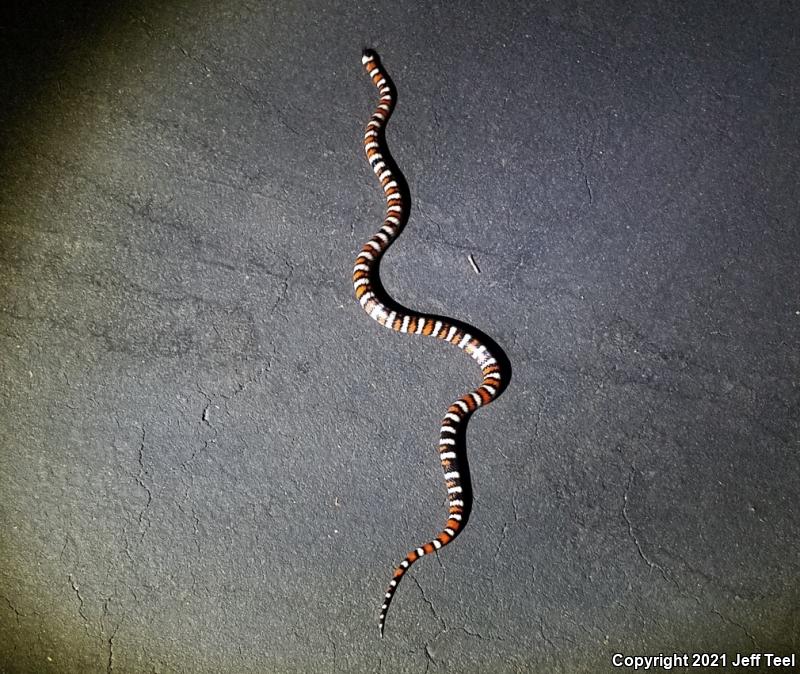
x=388, y=313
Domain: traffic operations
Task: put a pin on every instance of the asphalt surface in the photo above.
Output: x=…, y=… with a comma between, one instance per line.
x=210, y=457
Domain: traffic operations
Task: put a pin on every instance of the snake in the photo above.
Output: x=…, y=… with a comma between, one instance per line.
x=388, y=313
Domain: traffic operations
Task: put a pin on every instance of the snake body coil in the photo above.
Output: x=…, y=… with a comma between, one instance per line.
x=382, y=309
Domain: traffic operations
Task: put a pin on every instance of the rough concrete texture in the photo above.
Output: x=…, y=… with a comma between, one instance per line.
x=210, y=457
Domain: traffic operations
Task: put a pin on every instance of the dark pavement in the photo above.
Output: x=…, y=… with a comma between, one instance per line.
x=210, y=457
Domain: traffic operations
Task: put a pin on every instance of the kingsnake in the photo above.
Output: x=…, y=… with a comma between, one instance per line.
x=388, y=313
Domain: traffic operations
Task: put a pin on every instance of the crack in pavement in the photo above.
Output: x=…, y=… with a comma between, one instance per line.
x=110, y=663
x=650, y=563
x=730, y=621
x=429, y=657
x=16, y=611
x=141, y=483
x=480, y=636
x=77, y=589
x=544, y=636
x=506, y=527
x=428, y=602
